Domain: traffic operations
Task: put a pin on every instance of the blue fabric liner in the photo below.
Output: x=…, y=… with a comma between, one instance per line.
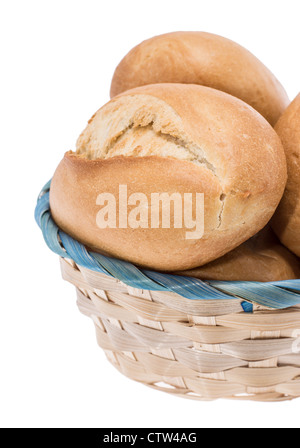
x=277, y=295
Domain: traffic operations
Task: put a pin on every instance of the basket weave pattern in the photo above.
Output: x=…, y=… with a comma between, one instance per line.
x=195, y=349
x=195, y=339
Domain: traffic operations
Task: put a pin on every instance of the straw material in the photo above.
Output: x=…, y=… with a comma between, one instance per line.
x=197, y=349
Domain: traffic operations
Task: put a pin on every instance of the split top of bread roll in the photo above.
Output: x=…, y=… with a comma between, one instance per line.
x=163, y=140
x=286, y=222
x=205, y=59
x=261, y=259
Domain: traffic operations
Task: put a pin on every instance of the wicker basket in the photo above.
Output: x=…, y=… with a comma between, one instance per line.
x=198, y=340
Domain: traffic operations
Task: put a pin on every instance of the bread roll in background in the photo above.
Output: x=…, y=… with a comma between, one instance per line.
x=205, y=59
x=261, y=259
x=172, y=138
x=286, y=222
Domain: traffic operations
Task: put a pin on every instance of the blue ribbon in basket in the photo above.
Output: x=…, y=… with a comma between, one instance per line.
x=277, y=295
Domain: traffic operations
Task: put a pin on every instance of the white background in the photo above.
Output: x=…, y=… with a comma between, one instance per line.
x=57, y=60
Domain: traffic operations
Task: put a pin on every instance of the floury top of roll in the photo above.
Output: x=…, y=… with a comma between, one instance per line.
x=174, y=139
x=204, y=59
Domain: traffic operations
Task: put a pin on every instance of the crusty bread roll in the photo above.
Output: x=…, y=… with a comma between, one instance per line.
x=172, y=138
x=286, y=221
x=260, y=259
x=205, y=59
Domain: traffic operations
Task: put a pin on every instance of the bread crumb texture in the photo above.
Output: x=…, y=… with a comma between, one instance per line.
x=173, y=138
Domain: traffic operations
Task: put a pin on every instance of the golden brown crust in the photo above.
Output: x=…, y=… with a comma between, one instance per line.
x=286, y=221
x=261, y=259
x=204, y=59
x=78, y=182
x=218, y=146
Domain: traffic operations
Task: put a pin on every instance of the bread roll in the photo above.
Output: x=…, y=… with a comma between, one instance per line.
x=261, y=259
x=286, y=222
x=205, y=59
x=171, y=138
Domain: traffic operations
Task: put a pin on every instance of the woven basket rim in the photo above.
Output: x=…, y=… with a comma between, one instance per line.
x=275, y=295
